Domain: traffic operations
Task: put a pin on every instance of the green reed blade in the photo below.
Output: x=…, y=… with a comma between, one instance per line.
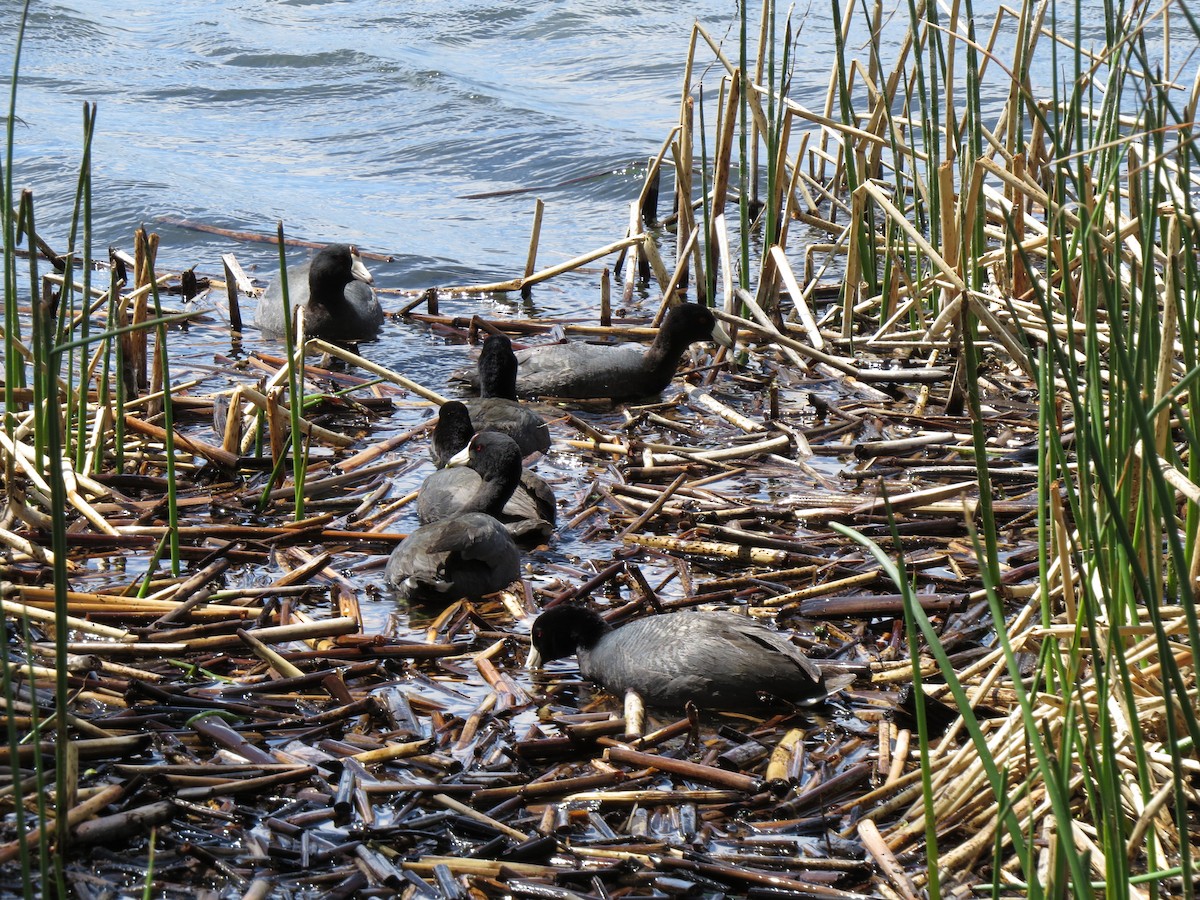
x=295, y=383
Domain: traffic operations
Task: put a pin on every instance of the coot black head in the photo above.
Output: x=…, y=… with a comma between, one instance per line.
x=451, y=433
x=495, y=456
x=498, y=368
x=334, y=267
x=690, y=322
x=561, y=631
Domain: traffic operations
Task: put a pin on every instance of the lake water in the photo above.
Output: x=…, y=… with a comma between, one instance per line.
x=377, y=123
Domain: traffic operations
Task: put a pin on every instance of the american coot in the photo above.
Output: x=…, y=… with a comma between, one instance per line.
x=716, y=660
x=497, y=408
x=334, y=287
x=466, y=556
x=533, y=497
x=484, y=477
x=580, y=370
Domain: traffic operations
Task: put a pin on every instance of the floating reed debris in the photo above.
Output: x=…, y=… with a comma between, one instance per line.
x=961, y=474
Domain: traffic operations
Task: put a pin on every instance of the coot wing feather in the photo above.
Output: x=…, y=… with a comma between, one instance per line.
x=710, y=658
x=580, y=370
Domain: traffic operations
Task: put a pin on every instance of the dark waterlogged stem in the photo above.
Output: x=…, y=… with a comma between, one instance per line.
x=168, y=403
x=48, y=426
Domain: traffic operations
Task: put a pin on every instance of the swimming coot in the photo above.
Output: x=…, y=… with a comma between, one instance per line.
x=714, y=659
x=497, y=408
x=579, y=370
x=465, y=556
x=485, y=476
x=533, y=497
x=334, y=287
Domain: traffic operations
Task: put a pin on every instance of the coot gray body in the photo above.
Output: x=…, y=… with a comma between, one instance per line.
x=713, y=659
x=334, y=287
x=580, y=370
x=466, y=556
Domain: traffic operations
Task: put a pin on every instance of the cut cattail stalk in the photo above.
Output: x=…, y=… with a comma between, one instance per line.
x=391, y=752
x=517, y=284
x=269, y=656
x=779, y=767
x=124, y=825
x=234, y=787
x=479, y=867
x=234, y=279
x=356, y=360
x=635, y=716
x=656, y=506
x=450, y=803
x=756, y=555
x=886, y=860
x=709, y=403
x=32, y=612
x=653, y=797
x=692, y=771
x=216, y=455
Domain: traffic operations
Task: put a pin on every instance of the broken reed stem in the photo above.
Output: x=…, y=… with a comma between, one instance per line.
x=517, y=284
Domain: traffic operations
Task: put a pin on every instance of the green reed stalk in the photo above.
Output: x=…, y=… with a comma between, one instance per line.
x=83, y=199
x=14, y=371
x=913, y=625
x=14, y=368
x=295, y=383
x=38, y=314
x=864, y=227
x=926, y=36
x=1108, y=379
x=119, y=363
x=37, y=732
x=151, y=567
x=1125, y=511
x=895, y=237
x=148, y=888
x=774, y=128
x=50, y=449
x=104, y=391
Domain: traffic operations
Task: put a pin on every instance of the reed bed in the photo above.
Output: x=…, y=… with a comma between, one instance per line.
x=952, y=456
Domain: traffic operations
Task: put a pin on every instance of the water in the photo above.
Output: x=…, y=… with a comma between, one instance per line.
x=356, y=121
x=377, y=123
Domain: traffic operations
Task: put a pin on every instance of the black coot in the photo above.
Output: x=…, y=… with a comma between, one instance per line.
x=714, y=659
x=485, y=476
x=334, y=287
x=466, y=556
x=579, y=370
x=533, y=497
x=497, y=408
